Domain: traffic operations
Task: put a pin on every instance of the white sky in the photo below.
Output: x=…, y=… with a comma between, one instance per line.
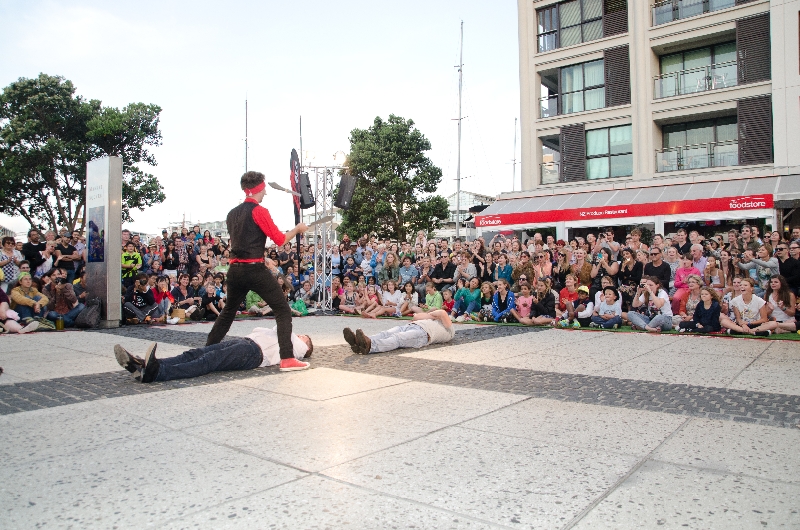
x=336, y=64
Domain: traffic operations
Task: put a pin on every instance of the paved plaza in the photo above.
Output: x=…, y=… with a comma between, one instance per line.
x=505, y=427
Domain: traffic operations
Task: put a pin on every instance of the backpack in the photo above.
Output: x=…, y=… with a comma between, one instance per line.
x=90, y=316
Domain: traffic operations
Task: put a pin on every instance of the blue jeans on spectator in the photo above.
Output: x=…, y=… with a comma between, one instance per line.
x=25, y=311
x=408, y=336
x=69, y=318
x=163, y=308
x=659, y=321
x=607, y=324
x=71, y=274
x=471, y=307
x=233, y=354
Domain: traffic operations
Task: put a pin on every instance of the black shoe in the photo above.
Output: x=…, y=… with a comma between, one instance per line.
x=762, y=333
x=363, y=342
x=350, y=337
x=130, y=362
x=150, y=370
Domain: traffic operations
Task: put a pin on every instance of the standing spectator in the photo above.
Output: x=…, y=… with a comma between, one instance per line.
x=765, y=265
x=698, y=260
x=631, y=272
x=10, y=258
x=49, y=257
x=747, y=242
x=680, y=243
x=131, y=264
x=443, y=274
x=67, y=256
x=788, y=266
x=32, y=250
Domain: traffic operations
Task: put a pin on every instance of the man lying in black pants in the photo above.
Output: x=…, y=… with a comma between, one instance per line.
x=259, y=348
x=249, y=225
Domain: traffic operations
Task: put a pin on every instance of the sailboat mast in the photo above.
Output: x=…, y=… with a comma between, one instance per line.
x=245, y=135
x=458, y=168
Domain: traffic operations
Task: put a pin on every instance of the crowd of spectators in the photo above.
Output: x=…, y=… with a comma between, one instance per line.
x=737, y=282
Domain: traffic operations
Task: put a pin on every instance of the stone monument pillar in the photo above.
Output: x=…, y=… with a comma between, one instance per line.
x=104, y=236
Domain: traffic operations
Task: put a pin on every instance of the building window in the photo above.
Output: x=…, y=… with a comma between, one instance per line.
x=583, y=87
x=548, y=28
x=609, y=153
x=669, y=10
x=569, y=23
x=698, y=70
x=699, y=144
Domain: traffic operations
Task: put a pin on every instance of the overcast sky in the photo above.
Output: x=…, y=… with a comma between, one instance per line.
x=336, y=64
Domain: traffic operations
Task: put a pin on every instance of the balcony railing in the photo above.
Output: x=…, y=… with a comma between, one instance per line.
x=549, y=172
x=713, y=154
x=711, y=77
x=670, y=10
x=548, y=106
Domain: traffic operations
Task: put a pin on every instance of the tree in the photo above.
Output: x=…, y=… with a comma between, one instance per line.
x=394, y=175
x=48, y=134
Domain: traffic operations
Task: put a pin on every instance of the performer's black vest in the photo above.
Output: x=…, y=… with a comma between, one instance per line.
x=247, y=239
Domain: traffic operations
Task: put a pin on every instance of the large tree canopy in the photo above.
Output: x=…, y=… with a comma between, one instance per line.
x=48, y=134
x=395, y=180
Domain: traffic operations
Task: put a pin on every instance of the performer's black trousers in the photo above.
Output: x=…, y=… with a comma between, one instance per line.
x=244, y=277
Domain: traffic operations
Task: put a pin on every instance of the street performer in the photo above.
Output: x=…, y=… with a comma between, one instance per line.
x=249, y=225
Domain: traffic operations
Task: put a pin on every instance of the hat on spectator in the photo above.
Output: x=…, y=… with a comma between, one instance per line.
x=583, y=289
x=23, y=274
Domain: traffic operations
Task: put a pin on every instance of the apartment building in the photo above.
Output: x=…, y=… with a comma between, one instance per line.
x=666, y=114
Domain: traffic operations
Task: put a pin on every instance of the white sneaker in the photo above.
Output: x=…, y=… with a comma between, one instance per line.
x=173, y=320
x=460, y=318
x=33, y=326
x=191, y=310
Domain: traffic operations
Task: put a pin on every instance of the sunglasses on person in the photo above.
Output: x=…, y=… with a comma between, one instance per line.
x=523, y=278
x=655, y=253
x=779, y=249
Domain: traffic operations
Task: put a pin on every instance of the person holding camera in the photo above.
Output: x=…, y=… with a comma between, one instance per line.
x=651, y=309
x=63, y=301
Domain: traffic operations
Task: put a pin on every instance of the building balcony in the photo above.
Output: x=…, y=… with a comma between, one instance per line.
x=548, y=106
x=549, y=172
x=694, y=80
x=671, y=10
x=714, y=154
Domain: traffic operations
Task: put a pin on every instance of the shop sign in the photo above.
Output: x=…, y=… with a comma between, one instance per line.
x=722, y=204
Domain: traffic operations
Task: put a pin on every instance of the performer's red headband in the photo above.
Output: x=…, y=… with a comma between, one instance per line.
x=253, y=191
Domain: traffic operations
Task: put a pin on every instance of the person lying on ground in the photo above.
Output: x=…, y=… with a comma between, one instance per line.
x=426, y=328
x=259, y=348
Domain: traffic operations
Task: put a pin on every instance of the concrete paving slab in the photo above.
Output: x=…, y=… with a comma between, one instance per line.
x=608, y=429
x=313, y=435
x=428, y=402
x=732, y=447
x=132, y=484
x=564, y=364
x=661, y=495
x=319, y=502
x=503, y=479
x=722, y=346
x=320, y=383
x=48, y=364
x=200, y=405
x=765, y=379
x=51, y=433
x=695, y=369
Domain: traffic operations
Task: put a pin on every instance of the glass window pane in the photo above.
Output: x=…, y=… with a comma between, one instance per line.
x=572, y=78
x=572, y=102
x=622, y=166
x=547, y=42
x=597, y=168
x=570, y=13
x=727, y=129
x=699, y=132
x=594, y=98
x=570, y=36
x=697, y=58
x=597, y=142
x=621, y=139
x=592, y=31
x=671, y=63
x=674, y=135
x=724, y=53
x=593, y=73
x=592, y=9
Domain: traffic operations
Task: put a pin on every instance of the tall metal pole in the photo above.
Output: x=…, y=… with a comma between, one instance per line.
x=514, y=160
x=458, y=169
x=245, y=135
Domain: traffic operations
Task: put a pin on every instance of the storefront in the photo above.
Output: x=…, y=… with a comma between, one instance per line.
x=662, y=207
